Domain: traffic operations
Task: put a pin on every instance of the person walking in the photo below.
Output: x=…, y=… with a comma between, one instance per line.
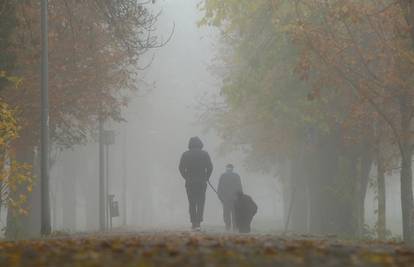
x=228, y=187
x=196, y=168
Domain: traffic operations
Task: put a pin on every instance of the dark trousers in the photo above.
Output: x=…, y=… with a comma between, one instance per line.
x=228, y=215
x=196, y=198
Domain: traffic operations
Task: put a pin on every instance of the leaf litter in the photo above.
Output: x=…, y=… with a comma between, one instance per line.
x=200, y=249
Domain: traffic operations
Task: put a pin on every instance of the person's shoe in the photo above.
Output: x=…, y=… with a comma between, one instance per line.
x=196, y=227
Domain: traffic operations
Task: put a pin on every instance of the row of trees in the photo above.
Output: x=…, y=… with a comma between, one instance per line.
x=320, y=91
x=95, y=48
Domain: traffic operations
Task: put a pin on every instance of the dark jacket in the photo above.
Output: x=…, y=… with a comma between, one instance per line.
x=195, y=164
x=228, y=187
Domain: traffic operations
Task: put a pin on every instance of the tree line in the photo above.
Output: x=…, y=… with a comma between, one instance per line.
x=95, y=53
x=320, y=92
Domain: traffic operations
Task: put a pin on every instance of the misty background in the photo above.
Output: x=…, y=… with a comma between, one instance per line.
x=159, y=122
x=160, y=119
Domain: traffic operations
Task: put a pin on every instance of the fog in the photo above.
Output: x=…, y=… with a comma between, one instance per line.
x=160, y=119
x=310, y=101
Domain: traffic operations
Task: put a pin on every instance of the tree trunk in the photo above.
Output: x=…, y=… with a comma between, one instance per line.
x=406, y=169
x=318, y=183
x=354, y=226
x=381, y=223
x=90, y=191
x=366, y=164
x=284, y=173
x=406, y=197
x=69, y=196
x=298, y=205
x=321, y=173
x=124, y=179
x=2, y=165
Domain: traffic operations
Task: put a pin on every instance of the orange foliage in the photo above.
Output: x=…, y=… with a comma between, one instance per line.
x=90, y=69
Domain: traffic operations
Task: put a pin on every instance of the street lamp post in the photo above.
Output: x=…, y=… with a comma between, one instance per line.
x=102, y=210
x=44, y=142
x=124, y=178
x=108, y=139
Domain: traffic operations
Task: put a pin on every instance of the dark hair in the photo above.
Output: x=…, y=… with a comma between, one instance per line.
x=230, y=166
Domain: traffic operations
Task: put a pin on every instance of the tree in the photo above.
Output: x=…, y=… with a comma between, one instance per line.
x=14, y=176
x=7, y=26
x=305, y=82
x=95, y=48
x=368, y=47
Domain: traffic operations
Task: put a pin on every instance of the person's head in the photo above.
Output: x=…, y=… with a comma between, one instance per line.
x=229, y=167
x=195, y=143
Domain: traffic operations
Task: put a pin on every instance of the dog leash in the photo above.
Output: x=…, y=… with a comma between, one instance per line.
x=212, y=187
